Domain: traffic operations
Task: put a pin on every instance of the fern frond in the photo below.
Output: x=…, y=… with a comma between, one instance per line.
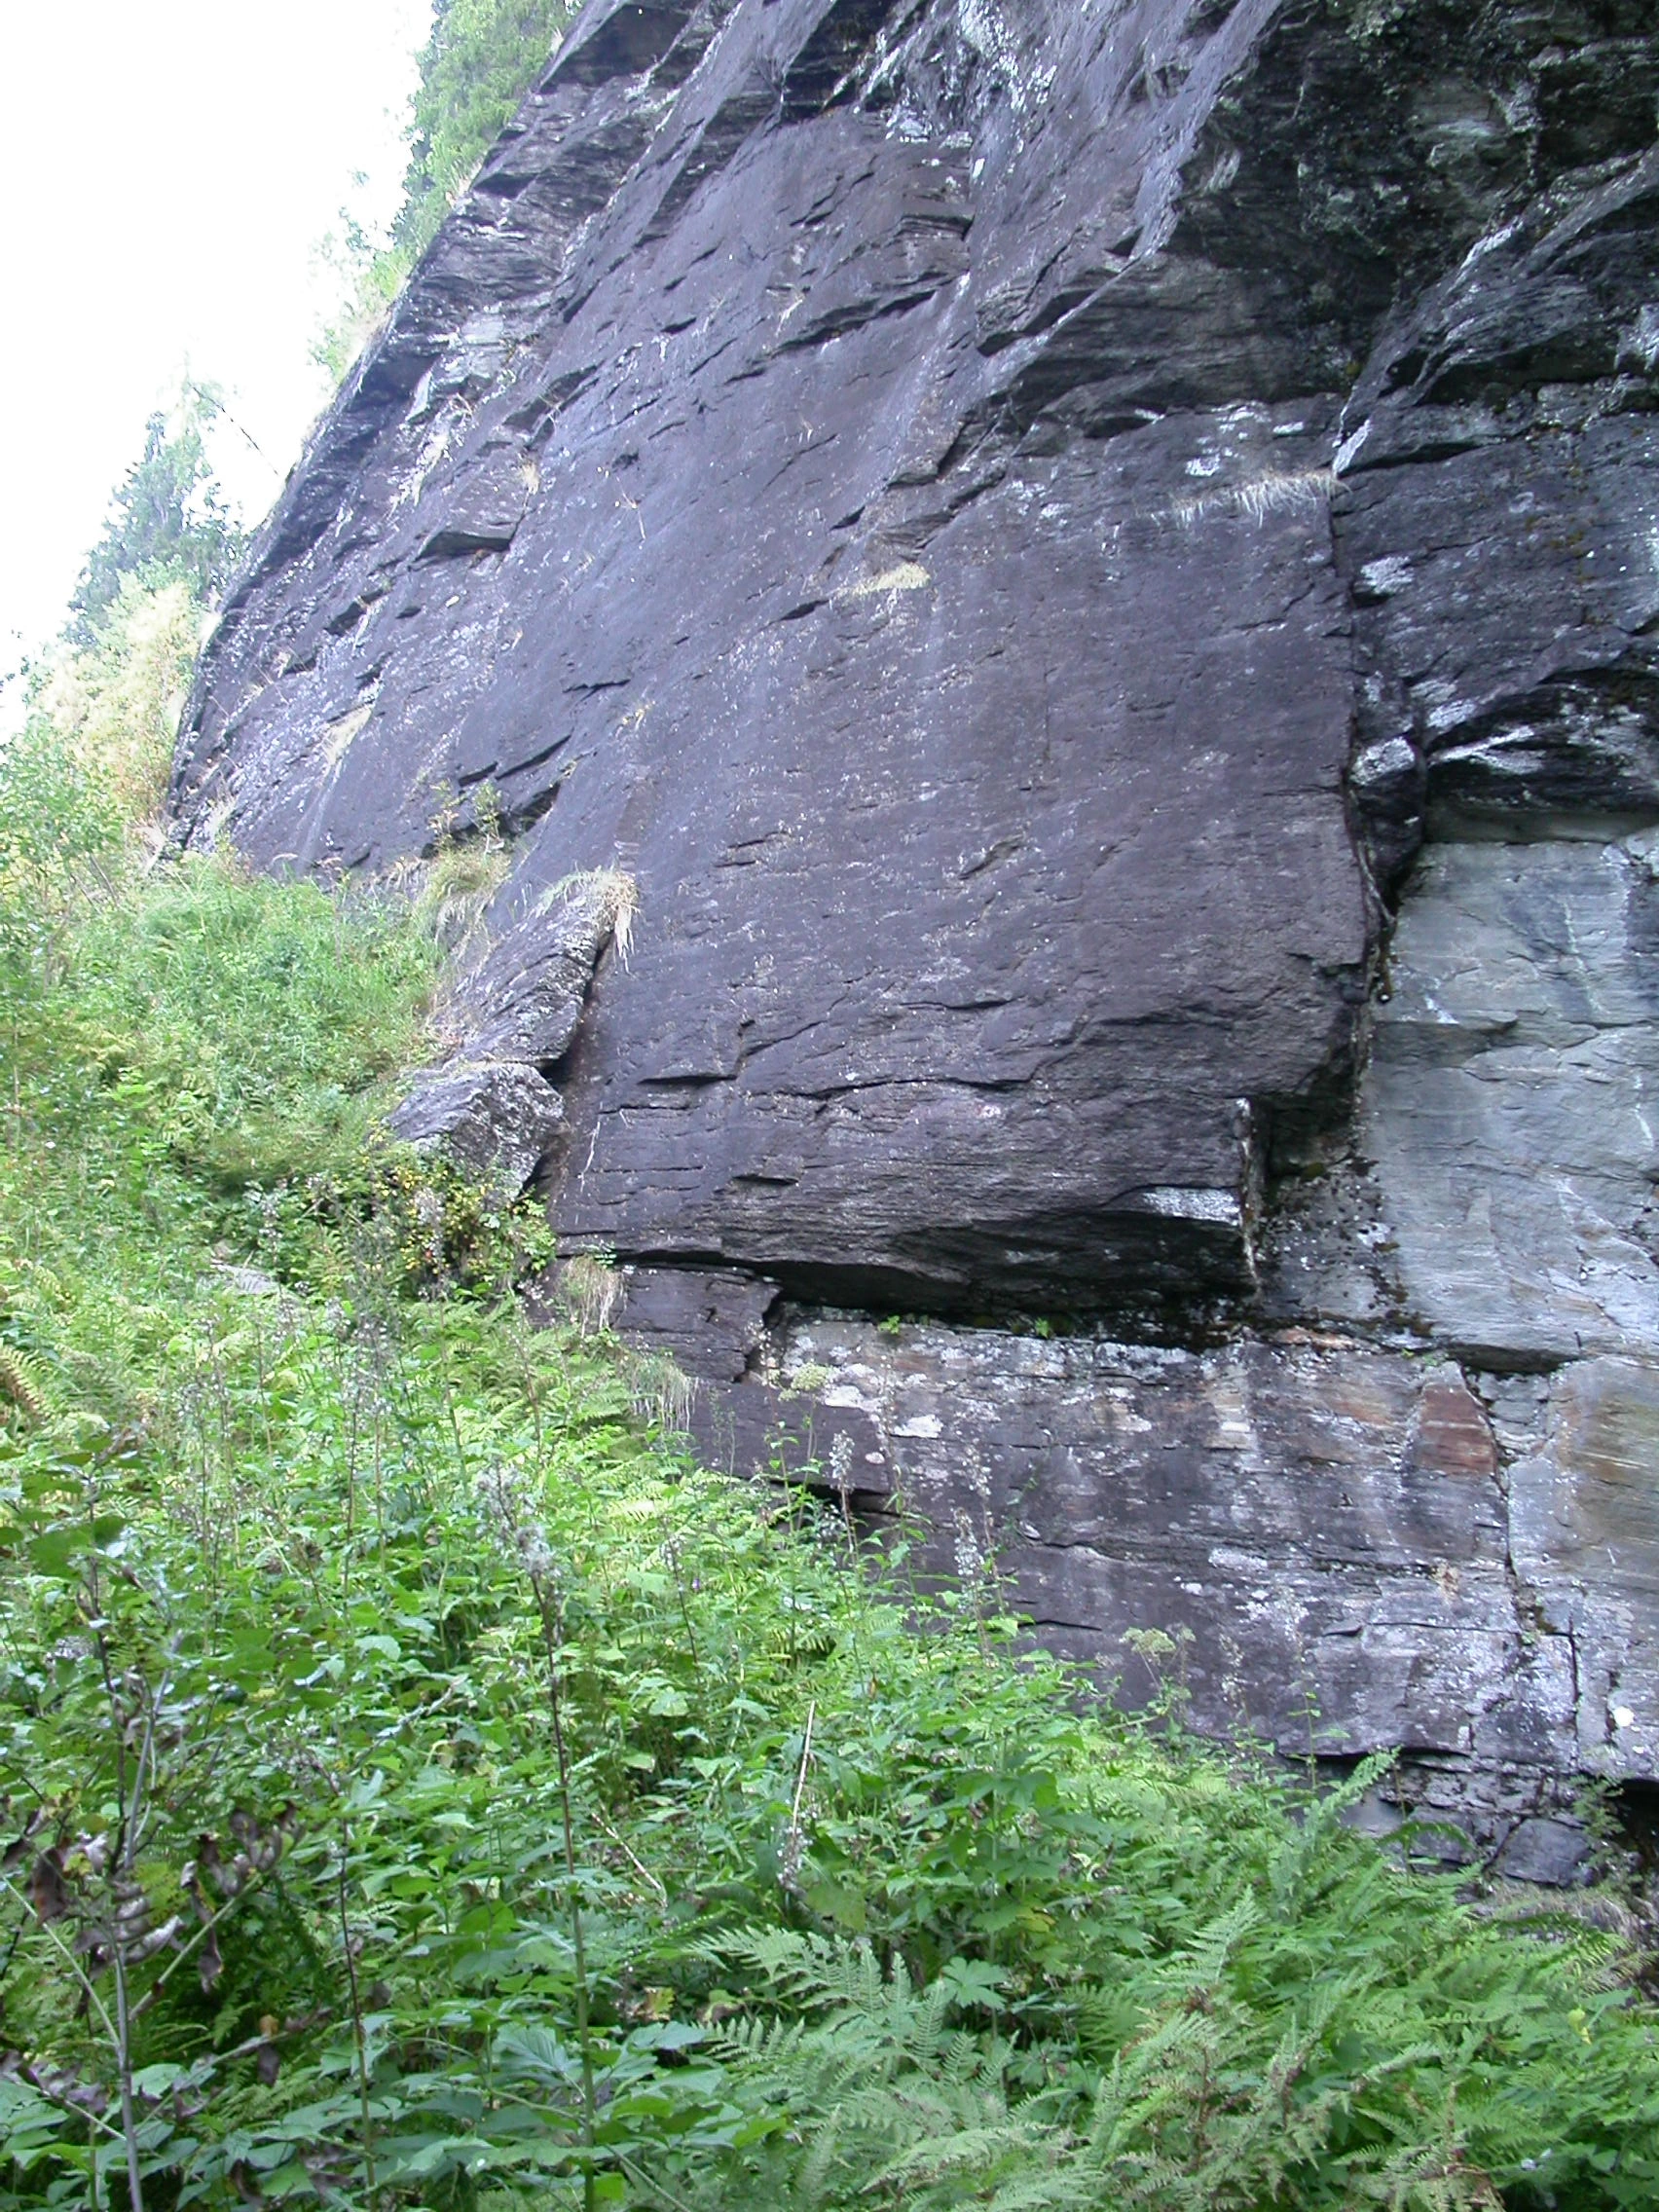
x=972, y=2156
x=21, y=1384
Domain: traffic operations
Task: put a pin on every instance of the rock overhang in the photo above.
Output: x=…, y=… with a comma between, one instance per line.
x=949, y=769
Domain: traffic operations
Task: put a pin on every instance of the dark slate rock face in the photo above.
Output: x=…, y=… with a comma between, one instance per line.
x=1060, y=602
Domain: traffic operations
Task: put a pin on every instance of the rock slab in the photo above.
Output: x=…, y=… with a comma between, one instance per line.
x=1060, y=606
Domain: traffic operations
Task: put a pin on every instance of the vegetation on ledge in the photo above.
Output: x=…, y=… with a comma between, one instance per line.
x=421, y=1785
x=478, y=63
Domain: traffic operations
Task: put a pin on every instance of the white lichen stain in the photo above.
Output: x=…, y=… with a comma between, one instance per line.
x=907, y=575
x=338, y=734
x=1349, y=450
x=1383, y=577
x=848, y=1396
x=1639, y=343
x=1450, y=712
x=985, y=31
x=1193, y=1202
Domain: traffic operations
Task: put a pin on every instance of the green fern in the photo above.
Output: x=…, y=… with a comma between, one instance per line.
x=1278, y=2057
x=21, y=1384
x=888, y=2101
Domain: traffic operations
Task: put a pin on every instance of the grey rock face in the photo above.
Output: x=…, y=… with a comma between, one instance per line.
x=1062, y=604
x=1325, y=1522
x=1513, y=1074
x=489, y=1107
x=1584, y=1523
x=496, y=1119
x=1357, y=1548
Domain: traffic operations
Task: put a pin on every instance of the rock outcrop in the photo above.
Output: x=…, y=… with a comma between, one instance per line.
x=1092, y=573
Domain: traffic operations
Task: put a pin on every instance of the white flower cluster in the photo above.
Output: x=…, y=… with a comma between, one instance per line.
x=505, y=1502
x=969, y=1558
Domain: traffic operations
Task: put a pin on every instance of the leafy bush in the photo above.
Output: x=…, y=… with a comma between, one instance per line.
x=387, y=1602
x=253, y=1018
x=116, y=703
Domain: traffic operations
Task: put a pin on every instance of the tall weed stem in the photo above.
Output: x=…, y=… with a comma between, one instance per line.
x=358, y=2033
x=546, y=1604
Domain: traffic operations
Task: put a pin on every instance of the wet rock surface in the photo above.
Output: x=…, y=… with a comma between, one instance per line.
x=1060, y=604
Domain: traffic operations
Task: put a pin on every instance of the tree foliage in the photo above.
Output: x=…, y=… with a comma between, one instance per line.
x=168, y=522
x=479, y=61
x=482, y=58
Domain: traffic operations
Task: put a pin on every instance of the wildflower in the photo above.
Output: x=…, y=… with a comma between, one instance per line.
x=507, y=1515
x=790, y=1861
x=969, y=1559
x=429, y=1213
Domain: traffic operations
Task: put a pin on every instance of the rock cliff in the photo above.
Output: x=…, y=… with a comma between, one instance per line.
x=1060, y=599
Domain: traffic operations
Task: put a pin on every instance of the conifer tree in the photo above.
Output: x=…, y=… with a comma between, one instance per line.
x=168, y=522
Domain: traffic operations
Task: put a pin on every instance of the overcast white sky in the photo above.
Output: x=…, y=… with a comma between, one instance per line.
x=169, y=167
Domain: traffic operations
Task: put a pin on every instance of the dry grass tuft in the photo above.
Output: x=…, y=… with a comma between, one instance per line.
x=1258, y=498
x=608, y=893
x=591, y=1292
x=660, y=1393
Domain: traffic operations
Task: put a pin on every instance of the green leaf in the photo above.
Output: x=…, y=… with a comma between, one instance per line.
x=59, y=1554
